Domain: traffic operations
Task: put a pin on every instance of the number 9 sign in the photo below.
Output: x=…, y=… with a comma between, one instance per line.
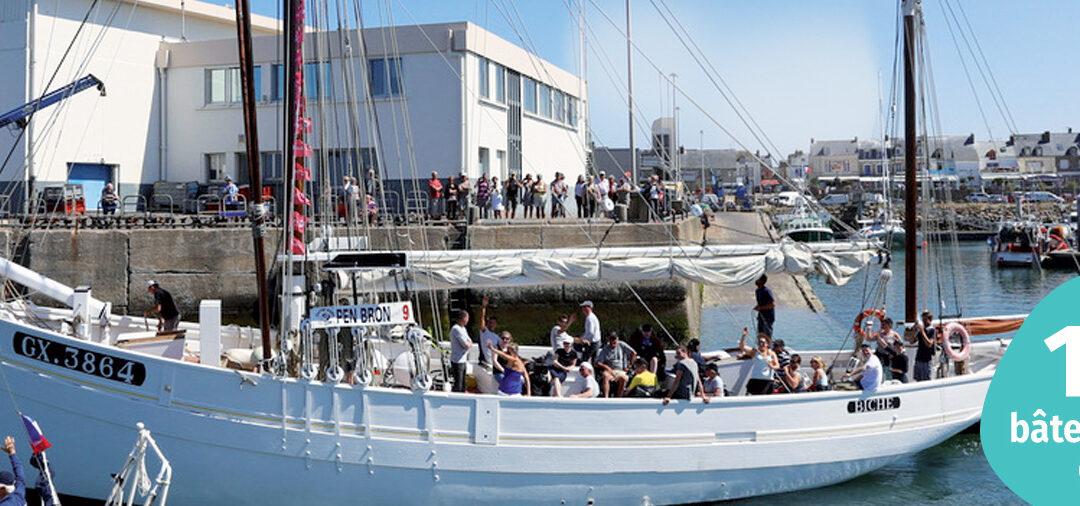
x=405, y=312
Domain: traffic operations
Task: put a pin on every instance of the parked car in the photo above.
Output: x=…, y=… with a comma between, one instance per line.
x=835, y=199
x=1041, y=196
x=978, y=197
x=873, y=198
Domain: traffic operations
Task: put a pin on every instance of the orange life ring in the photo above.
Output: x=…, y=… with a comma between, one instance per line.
x=965, y=339
x=876, y=313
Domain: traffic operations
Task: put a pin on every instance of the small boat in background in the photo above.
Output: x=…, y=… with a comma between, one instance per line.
x=1016, y=244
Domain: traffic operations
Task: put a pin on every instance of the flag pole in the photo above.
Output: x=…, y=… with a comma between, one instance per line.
x=46, y=470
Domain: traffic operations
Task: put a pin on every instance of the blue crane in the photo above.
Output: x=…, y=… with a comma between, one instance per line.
x=20, y=115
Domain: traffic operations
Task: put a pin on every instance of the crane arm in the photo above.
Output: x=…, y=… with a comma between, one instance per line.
x=20, y=115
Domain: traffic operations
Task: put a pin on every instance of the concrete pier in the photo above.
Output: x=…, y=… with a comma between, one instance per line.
x=196, y=264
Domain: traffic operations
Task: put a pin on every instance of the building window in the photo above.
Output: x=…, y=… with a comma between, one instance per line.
x=270, y=163
x=571, y=111
x=530, y=94
x=385, y=76
x=484, y=159
x=559, y=107
x=545, y=101
x=500, y=84
x=215, y=166
x=223, y=86
x=484, y=79
x=500, y=160
x=318, y=82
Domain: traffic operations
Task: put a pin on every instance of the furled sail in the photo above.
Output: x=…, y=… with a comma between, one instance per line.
x=719, y=265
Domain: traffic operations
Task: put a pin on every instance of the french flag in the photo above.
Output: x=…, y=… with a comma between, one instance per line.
x=37, y=439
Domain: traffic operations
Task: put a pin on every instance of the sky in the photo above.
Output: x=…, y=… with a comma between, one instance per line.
x=801, y=69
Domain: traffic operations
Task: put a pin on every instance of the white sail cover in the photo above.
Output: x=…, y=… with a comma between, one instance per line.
x=721, y=265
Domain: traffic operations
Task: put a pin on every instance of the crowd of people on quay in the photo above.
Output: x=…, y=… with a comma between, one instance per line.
x=598, y=363
x=526, y=197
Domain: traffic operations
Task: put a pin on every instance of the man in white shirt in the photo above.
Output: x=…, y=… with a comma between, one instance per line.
x=488, y=336
x=869, y=372
x=558, y=332
x=584, y=388
x=460, y=342
x=590, y=339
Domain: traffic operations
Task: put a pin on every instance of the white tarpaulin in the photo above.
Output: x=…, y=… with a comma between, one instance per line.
x=727, y=265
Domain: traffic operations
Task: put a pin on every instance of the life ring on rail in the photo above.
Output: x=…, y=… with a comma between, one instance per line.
x=965, y=339
x=876, y=313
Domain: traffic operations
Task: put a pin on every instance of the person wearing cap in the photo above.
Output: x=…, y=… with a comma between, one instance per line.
x=164, y=306
x=869, y=374
x=615, y=360
x=898, y=366
x=12, y=483
x=230, y=193
x=460, y=342
x=565, y=360
x=926, y=338
x=584, y=388
x=590, y=339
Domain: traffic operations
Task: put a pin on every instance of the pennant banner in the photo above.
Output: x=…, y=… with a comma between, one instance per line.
x=299, y=198
x=300, y=173
x=298, y=246
x=302, y=150
x=299, y=222
x=304, y=125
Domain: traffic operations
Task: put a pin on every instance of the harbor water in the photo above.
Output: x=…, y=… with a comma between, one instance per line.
x=955, y=472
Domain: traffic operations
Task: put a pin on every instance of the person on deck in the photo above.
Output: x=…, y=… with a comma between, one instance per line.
x=614, y=361
x=459, y=349
x=687, y=383
x=435, y=196
x=565, y=359
x=230, y=194
x=644, y=383
x=870, y=372
x=898, y=366
x=489, y=337
x=515, y=380
x=766, y=307
x=558, y=332
x=792, y=378
x=164, y=306
x=109, y=200
x=763, y=367
x=713, y=384
x=12, y=483
x=650, y=348
x=926, y=338
x=820, y=380
x=585, y=388
x=885, y=339
x=590, y=339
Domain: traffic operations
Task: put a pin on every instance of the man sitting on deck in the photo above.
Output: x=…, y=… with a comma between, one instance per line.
x=614, y=361
x=870, y=372
x=584, y=387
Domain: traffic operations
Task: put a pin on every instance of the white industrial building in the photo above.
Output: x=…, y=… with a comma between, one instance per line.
x=451, y=98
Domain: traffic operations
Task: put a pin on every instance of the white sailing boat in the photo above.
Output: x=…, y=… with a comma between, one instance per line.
x=303, y=434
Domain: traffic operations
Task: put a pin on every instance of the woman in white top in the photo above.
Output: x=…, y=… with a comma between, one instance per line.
x=496, y=198
x=763, y=366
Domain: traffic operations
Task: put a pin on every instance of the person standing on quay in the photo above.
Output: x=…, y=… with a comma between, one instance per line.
x=435, y=196
x=766, y=307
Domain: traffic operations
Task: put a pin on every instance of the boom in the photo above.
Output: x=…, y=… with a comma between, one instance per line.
x=21, y=114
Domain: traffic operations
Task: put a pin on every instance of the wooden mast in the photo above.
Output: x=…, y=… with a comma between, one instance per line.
x=911, y=8
x=251, y=140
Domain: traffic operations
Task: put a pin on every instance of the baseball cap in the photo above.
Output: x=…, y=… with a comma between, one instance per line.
x=150, y=283
x=587, y=303
x=586, y=365
x=6, y=478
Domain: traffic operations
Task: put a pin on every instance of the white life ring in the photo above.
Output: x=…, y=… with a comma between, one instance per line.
x=965, y=339
x=609, y=205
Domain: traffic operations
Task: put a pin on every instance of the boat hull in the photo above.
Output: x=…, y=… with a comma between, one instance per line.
x=281, y=441
x=1013, y=259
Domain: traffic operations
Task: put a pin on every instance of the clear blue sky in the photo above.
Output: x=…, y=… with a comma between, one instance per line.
x=802, y=68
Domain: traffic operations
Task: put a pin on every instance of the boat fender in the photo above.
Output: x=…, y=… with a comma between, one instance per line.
x=876, y=313
x=965, y=339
